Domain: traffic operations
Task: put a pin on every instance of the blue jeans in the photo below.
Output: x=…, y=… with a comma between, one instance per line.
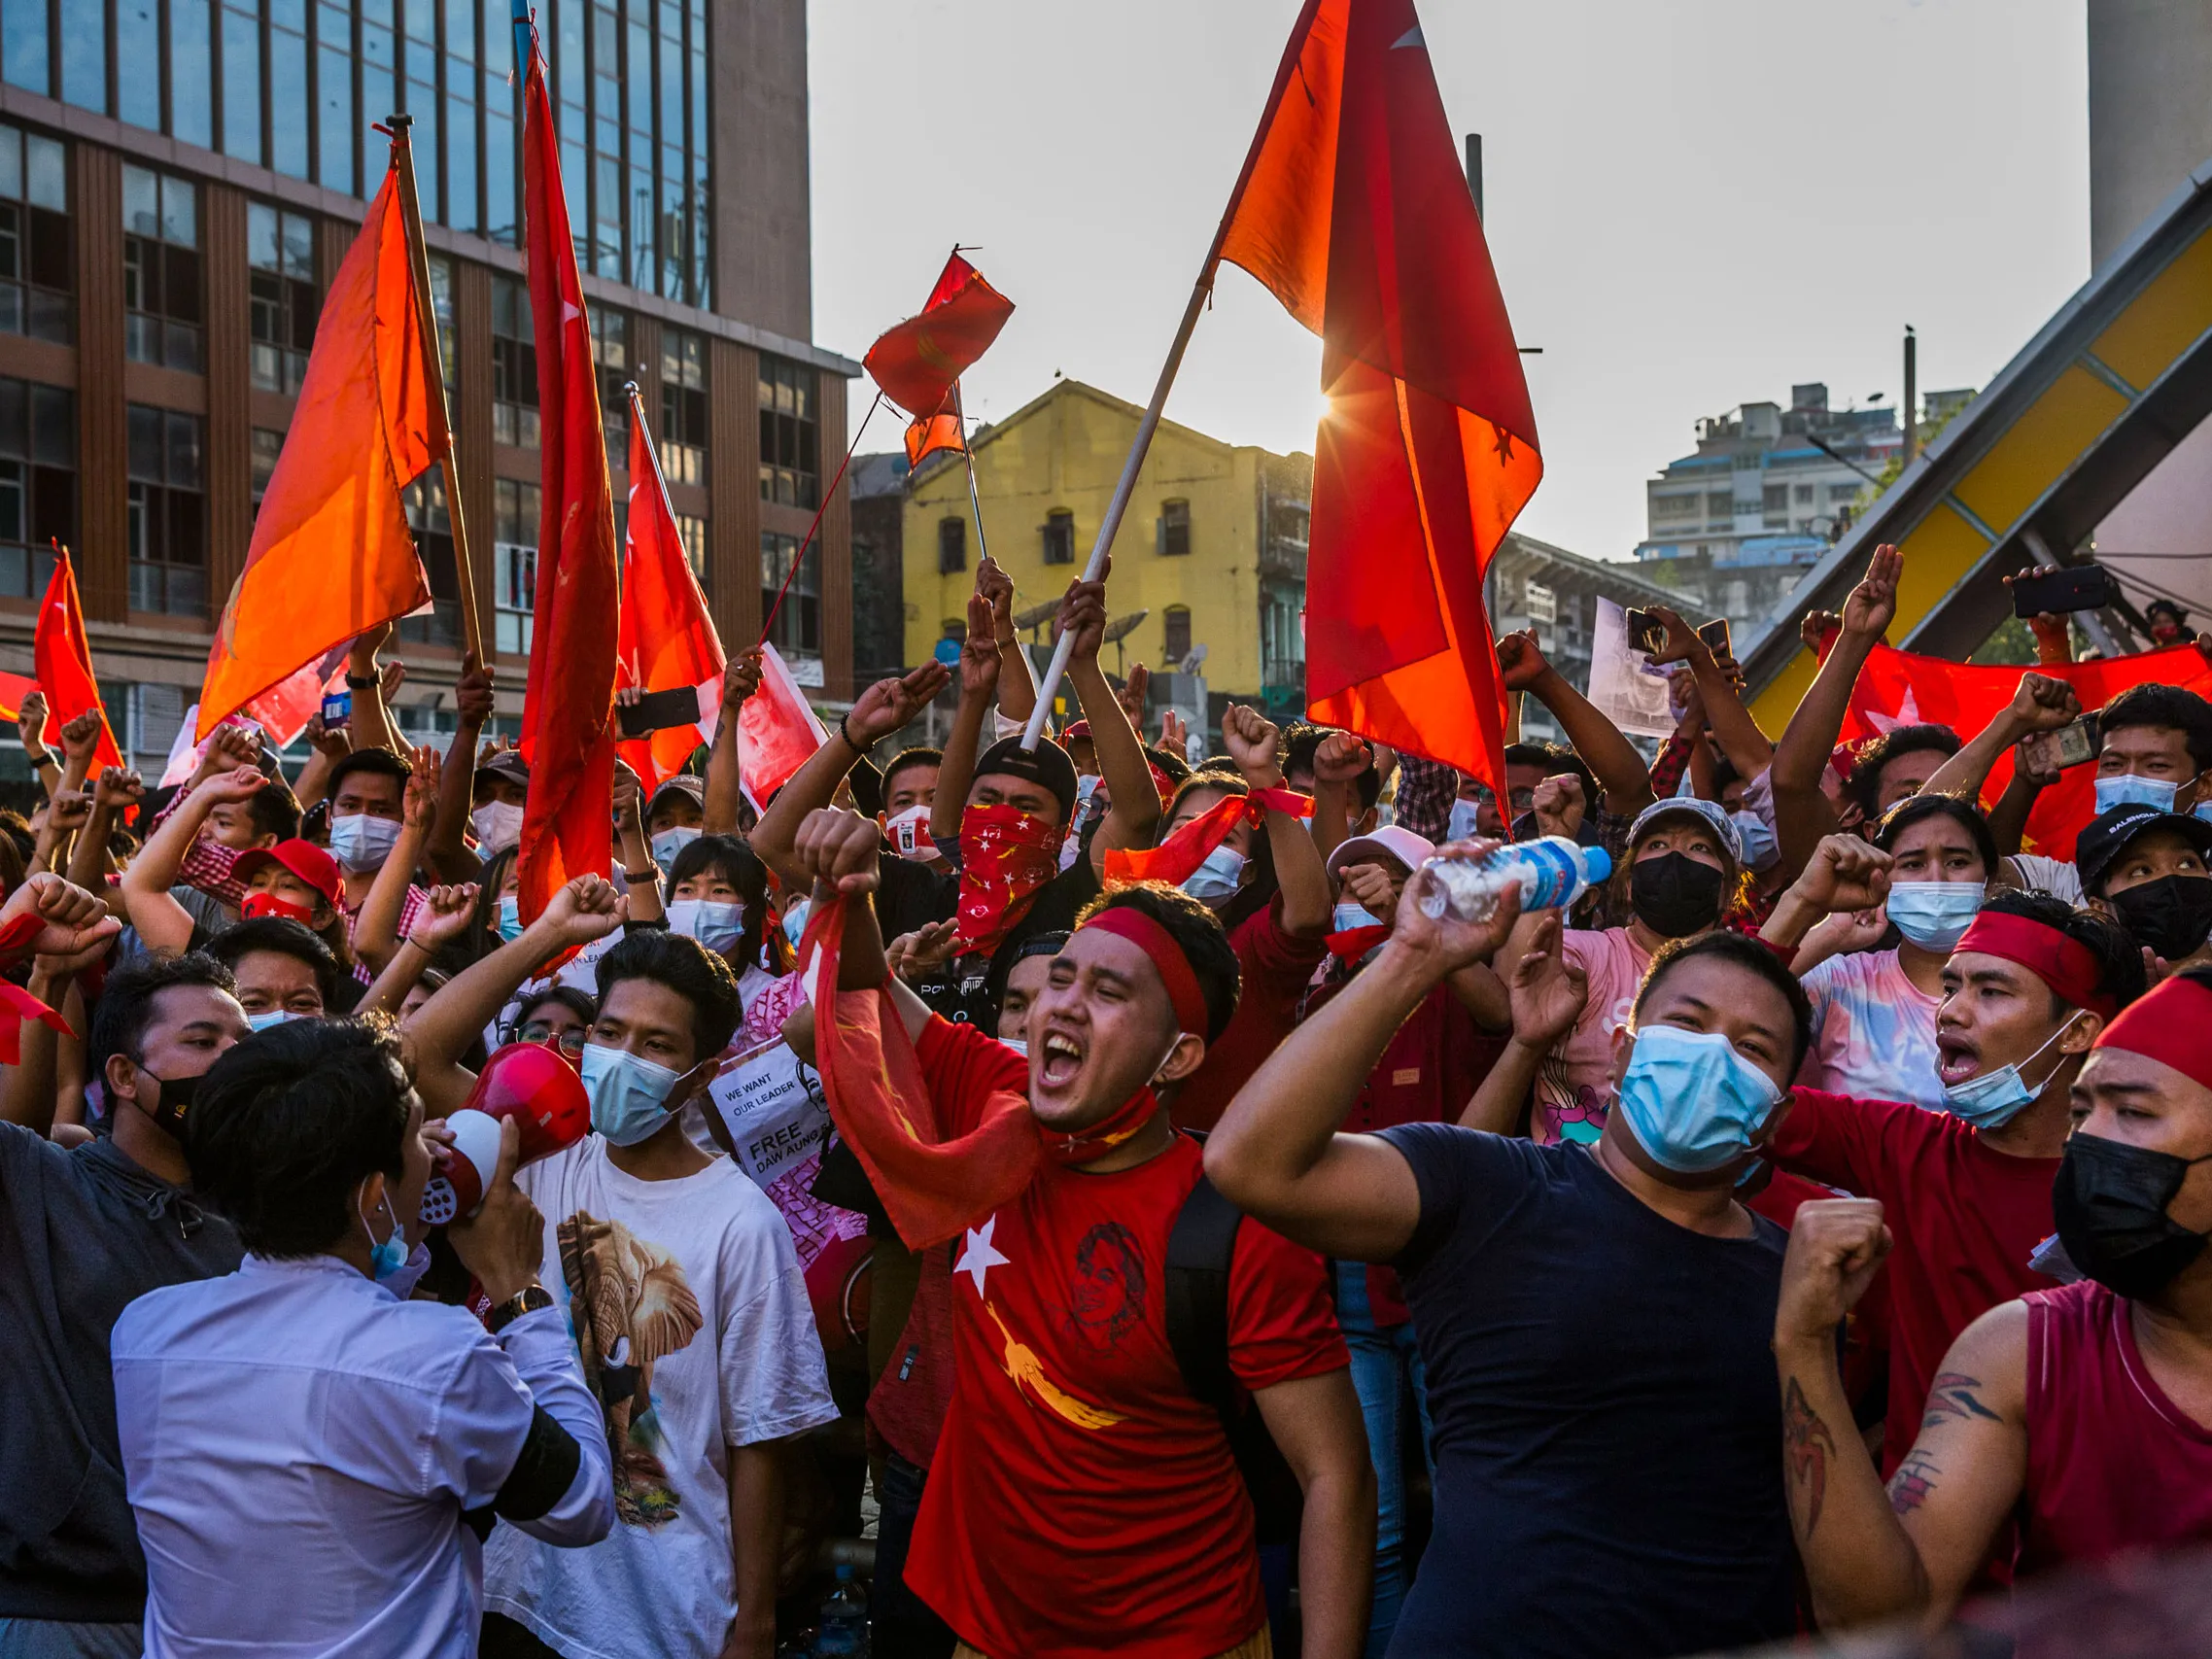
x=1385, y=1366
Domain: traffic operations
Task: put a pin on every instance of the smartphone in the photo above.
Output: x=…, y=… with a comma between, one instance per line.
x=1646, y=632
x=337, y=709
x=2061, y=588
x=1716, y=634
x=657, y=710
x=2069, y=745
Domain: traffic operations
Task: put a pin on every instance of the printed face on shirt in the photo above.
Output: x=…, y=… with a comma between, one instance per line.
x=2151, y=751
x=231, y=824
x=1196, y=802
x=276, y=878
x=1004, y=789
x=2124, y=1096
x=649, y=1020
x=1100, y=1030
x=1937, y=848
x=1107, y=1290
x=273, y=982
x=375, y=793
x=672, y=809
x=1995, y=1013
x=913, y=784
x=1022, y=983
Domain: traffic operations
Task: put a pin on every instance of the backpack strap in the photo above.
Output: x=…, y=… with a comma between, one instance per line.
x=1199, y=1251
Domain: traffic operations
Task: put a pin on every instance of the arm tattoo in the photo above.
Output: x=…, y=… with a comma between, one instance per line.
x=1952, y=1396
x=1807, y=1448
x=1915, y=1479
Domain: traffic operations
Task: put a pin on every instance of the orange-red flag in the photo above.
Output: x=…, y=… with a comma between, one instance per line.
x=14, y=688
x=1354, y=212
x=667, y=639
x=567, y=733
x=915, y=362
x=332, y=556
x=933, y=433
x=61, y=657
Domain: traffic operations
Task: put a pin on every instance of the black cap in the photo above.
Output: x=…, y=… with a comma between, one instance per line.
x=1047, y=764
x=2107, y=837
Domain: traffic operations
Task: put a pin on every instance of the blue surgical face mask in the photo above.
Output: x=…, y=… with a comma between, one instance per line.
x=1934, y=914
x=795, y=922
x=1994, y=1098
x=262, y=1021
x=510, y=925
x=1462, y=826
x=385, y=1255
x=717, y=926
x=1760, y=849
x=1349, y=915
x=668, y=844
x=1020, y=1045
x=2125, y=789
x=1217, y=878
x=362, y=842
x=1693, y=1101
x=628, y=1095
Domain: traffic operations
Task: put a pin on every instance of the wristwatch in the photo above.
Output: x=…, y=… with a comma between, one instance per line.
x=639, y=877
x=360, y=681
x=529, y=1300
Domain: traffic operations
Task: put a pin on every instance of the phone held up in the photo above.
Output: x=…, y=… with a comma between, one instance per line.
x=2057, y=589
x=337, y=710
x=658, y=709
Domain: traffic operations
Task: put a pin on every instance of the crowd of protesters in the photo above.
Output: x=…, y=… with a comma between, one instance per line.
x=1222, y=1249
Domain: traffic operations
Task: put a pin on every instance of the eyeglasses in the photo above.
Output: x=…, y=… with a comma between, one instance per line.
x=571, y=1037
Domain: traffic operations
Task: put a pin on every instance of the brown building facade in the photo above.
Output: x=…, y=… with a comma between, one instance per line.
x=178, y=179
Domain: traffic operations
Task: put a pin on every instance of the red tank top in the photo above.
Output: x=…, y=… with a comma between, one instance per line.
x=2112, y=1462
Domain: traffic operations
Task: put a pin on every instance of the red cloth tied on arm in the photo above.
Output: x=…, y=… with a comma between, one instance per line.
x=1174, y=859
x=1354, y=942
x=2066, y=965
x=18, y=1005
x=2172, y=1024
x=932, y=1186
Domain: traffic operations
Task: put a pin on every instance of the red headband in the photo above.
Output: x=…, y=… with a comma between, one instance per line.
x=1126, y=921
x=2066, y=965
x=2170, y=1023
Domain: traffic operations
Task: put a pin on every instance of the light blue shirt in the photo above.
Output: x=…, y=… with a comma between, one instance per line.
x=300, y=1445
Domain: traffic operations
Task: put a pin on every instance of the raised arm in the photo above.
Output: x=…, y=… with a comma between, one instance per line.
x=446, y=850
x=92, y=862
x=370, y=722
x=1337, y=764
x=724, y=793
x=978, y=695
x=30, y=724
x=1811, y=734
x=377, y=931
x=1254, y=744
x=1869, y=1553
x=442, y=919
x=1016, y=681
x=28, y=1094
x=163, y=923
x=1546, y=994
x=638, y=871
x=1844, y=874
x=2040, y=703
x=1739, y=736
x=326, y=747
x=1611, y=757
x=1133, y=819
x=1276, y=1154
x=882, y=710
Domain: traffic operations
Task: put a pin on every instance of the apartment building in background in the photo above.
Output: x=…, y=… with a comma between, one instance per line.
x=178, y=179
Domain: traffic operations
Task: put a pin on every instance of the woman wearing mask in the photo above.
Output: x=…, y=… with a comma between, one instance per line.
x=1874, y=1011
x=2152, y=873
x=719, y=895
x=1683, y=872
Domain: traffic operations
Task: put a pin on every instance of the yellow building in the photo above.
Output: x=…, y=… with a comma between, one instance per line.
x=1212, y=549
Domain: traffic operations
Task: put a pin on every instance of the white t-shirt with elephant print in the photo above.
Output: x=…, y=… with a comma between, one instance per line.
x=688, y=1310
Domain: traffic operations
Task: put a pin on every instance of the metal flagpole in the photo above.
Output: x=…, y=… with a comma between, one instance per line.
x=975, y=500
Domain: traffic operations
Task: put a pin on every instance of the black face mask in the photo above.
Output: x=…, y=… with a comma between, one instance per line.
x=172, y=1103
x=1674, y=894
x=2172, y=915
x=2110, y=1203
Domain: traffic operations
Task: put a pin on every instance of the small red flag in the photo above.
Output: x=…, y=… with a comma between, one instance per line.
x=61, y=657
x=931, y=434
x=667, y=638
x=1354, y=212
x=14, y=688
x=1901, y=688
x=916, y=361
x=778, y=732
x=567, y=736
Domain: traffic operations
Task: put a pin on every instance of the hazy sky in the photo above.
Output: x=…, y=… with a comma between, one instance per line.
x=1691, y=203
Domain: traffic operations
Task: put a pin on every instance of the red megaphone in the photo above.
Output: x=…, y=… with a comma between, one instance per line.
x=531, y=1083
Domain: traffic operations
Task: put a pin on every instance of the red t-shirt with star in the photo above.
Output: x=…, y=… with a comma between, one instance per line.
x=1079, y=1489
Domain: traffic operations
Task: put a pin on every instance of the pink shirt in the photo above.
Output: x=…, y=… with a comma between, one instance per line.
x=1573, y=1089
x=1873, y=1031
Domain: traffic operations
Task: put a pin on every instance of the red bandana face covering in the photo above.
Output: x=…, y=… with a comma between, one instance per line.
x=1006, y=855
x=1103, y=1136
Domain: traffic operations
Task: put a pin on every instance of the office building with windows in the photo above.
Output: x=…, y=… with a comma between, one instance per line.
x=178, y=179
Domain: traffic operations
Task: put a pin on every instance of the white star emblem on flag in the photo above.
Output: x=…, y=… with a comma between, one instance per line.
x=981, y=1256
x=1908, y=715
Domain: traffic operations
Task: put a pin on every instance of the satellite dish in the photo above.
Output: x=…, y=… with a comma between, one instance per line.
x=1193, y=663
x=1123, y=625
x=1037, y=615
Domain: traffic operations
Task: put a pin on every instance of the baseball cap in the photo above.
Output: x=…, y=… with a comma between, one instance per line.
x=1047, y=764
x=1712, y=812
x=510, y=765
x=1391, y=841
x=683, y=783
x=2106, y=837
x=305, y=859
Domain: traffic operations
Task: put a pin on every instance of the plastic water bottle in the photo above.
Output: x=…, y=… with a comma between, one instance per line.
x=1550, y=873
x=843, y=1628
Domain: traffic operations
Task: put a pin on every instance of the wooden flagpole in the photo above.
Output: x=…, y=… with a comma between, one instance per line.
x=433, y=366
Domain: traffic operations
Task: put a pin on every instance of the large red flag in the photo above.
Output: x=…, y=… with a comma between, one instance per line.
x=917, y=361
x=1899, y=688
x=667, y=638
x=1354, y=212
x=567, y=734
x=61, y=657
x=332, y=556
